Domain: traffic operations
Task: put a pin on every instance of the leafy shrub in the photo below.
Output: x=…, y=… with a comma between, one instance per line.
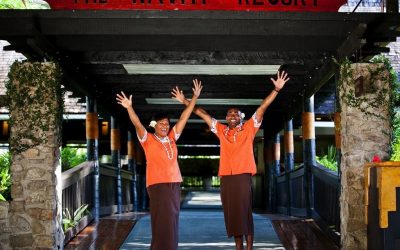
x=5, y=177
x=71, y=157
x=71, y=221
x=329, y=160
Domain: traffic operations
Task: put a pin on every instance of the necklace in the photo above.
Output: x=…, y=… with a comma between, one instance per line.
x=237, y=129
x=163, y=140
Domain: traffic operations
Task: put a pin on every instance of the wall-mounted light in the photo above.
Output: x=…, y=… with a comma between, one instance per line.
x=5, y=128
x=104, y=128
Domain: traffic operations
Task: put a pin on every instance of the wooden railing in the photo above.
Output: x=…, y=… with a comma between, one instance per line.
x=324, y=192
x=78, y=188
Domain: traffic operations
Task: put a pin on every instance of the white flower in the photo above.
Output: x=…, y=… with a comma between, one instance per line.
x=242, y=115
x=153, y=123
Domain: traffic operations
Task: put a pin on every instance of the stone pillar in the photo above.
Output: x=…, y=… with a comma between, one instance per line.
x=365, y=132
x=308, y=149
x=132, y=168
x=289, y=145
x=116, y=159
x=92, y=146
x=35, y=97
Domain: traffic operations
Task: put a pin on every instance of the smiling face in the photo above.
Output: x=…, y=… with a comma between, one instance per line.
x=233, y=117
x=162, y=128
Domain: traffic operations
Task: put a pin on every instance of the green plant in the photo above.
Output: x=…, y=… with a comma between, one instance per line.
x=71, y=221
x=23, y=4
x=329, y=160
x=5, y=177
x=34, y=90
x=71, y=157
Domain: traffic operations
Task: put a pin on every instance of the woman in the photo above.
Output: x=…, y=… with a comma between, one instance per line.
x=163, y=177
x=237, y=163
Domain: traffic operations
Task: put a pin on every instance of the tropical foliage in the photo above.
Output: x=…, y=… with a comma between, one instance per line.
x=71, y=157
x=23, y=4
x=329, y=160
x=5, y=177
x=69, y=220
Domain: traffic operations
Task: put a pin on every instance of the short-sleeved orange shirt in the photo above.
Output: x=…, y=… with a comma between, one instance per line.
x=161, y=158
x=236, y=147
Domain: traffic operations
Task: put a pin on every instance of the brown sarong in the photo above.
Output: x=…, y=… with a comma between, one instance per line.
x=164, y=213
x=236, y=197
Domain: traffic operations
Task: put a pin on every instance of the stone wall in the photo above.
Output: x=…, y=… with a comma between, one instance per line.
x=5, y=229
x=35, y=209
x=363, y=136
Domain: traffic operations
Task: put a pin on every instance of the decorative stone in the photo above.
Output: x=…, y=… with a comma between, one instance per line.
x=17, y=206
x=37, y=185
x=4, y=205
x=16, y=190
x=35, y=173
x=44, y=242
x=37, y=227
x=31, y=153
x=21, y=240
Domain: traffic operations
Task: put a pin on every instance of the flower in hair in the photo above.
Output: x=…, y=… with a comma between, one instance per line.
x=153, y=124
x=242, y=115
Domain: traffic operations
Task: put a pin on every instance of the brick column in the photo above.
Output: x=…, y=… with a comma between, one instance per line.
x=35, y=115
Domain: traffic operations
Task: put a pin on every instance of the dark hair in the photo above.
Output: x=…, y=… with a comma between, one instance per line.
x=161, y=116
x=238, y=109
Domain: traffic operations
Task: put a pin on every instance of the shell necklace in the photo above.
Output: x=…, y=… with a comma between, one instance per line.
x=163, y=140
x=237, y=129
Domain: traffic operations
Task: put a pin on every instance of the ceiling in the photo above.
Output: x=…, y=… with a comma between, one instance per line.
x=92, y=47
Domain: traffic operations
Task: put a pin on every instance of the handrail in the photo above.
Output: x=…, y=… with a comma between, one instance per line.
x=74, y=174
x=108, y=170
x=331, y=177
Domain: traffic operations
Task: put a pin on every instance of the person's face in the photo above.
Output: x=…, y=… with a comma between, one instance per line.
x=162, y=128
x=233, y=117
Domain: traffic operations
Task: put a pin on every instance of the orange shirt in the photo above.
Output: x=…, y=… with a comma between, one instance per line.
x=236, y=150
x=162, y=165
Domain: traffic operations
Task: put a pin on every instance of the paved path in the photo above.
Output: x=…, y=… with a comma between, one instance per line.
x=204, y=229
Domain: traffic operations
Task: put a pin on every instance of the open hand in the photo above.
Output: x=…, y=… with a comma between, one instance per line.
x=178, y=94
x=197, y=87
x=123, y=100
x=281, y=79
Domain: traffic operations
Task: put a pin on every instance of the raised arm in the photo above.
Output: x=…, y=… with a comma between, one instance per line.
x=178, y=95
x=180, y=124
x=281, y=79
x=127, y=103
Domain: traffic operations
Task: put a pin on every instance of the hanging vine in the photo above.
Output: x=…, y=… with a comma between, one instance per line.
x=35, y=103
x=375, y=96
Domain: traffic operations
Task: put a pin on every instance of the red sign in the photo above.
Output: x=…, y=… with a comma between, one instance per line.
x=243, y=5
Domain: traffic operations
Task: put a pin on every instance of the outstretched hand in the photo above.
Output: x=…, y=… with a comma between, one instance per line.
x=123, y=100
x=281, y=79
x=178, y=94
x=180, y=97
x=197, y=87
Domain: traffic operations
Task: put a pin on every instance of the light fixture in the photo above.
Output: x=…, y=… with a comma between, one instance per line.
x=185, y=69
x=206, y=101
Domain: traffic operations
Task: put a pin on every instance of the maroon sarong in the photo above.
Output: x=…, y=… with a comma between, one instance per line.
x=164, y=213
x=236, y=197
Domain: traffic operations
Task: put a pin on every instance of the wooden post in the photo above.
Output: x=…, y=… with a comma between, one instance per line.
x=268, y=171
x=92, y=146
x=132, y=168
x=289, y=145
x=308, y=149
x=116, y=159
x=289, y=160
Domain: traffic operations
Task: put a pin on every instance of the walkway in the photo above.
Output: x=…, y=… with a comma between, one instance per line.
x=204, y=228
